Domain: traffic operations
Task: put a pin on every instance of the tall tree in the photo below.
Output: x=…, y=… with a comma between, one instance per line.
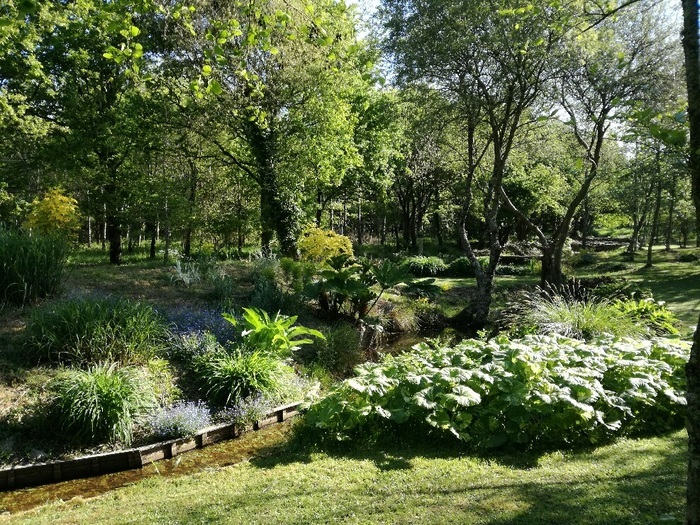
x=493, y=58
x=691, y=49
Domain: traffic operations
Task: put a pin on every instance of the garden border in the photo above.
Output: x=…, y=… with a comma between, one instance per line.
x=133, y=458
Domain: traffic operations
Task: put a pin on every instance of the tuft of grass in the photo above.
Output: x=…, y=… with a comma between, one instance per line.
x=102, y=403
x=559, y=311
x=88, y=331
x=31, y=268
x=226, y=378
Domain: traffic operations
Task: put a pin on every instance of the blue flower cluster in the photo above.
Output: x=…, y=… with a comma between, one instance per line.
x=188, y=320
x=251, y=409
x=182, y=419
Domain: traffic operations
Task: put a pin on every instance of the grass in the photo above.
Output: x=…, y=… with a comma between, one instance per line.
x=630, y=482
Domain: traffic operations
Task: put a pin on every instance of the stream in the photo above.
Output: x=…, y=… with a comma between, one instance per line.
x=213, y=457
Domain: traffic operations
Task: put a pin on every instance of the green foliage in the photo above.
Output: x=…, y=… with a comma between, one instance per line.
x=101, y=403
x=352, y=283
x=561, y=312
x=297, y=274
x=56, y=213
x=31, y=268
x=536, y=391
x=462, y=267
x=583, y=258
x=274, y=336
x=318, y=245
x=654, y=315
x=229, y=377
x=88, y=331
x=339, y=352
x=422, y=266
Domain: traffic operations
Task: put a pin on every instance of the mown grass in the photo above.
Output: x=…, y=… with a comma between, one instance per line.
x=631, y=482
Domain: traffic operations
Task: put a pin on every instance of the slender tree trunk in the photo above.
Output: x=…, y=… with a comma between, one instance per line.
x=166, y=251
x=671, y=211
x=359, y=222
x=691, y=49
x=657, y=212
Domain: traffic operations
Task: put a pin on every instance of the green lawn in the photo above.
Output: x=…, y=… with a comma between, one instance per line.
x=630, y=482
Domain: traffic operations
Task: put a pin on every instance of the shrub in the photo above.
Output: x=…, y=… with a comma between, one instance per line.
x=583, y=258
x=540, y=390
x=422, y=266
x=339, y=352
x=183, y=419
x=651, y=314
x=56, y=213
x=101, y=403
x=688, y=258
x=87, y=331
x=462, y=267
x=318, y=245
x=297, y=274
x=225, y=378
x=31, y=268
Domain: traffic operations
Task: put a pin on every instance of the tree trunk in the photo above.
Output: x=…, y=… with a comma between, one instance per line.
x=166, y=251
x=671, y=211
x=359, y=222
x=152, y=249
x=691, y=48
x=657, y=212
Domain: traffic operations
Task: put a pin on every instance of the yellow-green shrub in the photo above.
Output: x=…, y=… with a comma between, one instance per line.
x=319, y=245
x=55, y=213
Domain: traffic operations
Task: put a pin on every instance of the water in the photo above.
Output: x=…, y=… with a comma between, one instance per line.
x=213, y=457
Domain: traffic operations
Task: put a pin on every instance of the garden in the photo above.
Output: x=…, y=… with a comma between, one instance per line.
x=96, y=360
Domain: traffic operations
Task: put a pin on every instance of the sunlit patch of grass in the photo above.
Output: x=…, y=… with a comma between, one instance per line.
x=630, y=482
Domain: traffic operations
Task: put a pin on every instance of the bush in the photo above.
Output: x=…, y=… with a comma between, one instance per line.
x=31, y=268
x=422, y=266
x=318, y=245
x=651, y=314
x=247, y=411
x=101, y=403
x=540, y=390
x=462, y=267
x=226, y=378
x=297, y=274
x=688, y=258
x=183, y=419
x=56, y=213
x=339, y=352
x=583, y=258
x=87, y=331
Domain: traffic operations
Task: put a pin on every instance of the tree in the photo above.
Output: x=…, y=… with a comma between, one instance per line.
x=494, y=62
x=603, y=73
x=691, y=50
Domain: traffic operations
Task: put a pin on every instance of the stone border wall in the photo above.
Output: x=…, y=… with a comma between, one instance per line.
x=110, y=462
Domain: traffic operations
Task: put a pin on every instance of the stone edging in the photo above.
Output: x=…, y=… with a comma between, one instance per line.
x=133, y=458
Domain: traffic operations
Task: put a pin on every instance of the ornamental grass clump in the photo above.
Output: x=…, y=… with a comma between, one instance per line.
x=82, y=332
x=226, y=377
x=533, y=392
x=31, y=267
x=571, y=312
x=182, y=419
x=102, y=403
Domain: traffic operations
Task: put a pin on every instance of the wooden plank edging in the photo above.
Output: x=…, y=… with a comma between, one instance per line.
x=133, y=458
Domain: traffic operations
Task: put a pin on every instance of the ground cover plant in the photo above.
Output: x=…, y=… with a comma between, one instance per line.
x=539, y=390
